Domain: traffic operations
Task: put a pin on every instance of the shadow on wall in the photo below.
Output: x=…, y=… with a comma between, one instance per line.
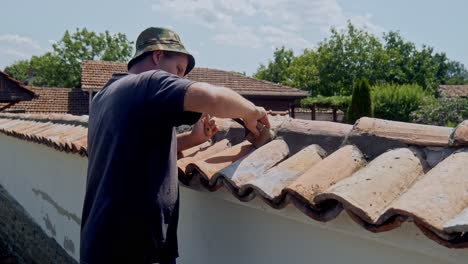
x=20, y=237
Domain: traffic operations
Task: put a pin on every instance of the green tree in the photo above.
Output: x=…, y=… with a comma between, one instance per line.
x=18, y=70
x=62, y=66
x=303, y=71
x=50, y=71
x=277, y=70
x=350, y=54
x=456, y=73
x=361, y=104
x=344, y=58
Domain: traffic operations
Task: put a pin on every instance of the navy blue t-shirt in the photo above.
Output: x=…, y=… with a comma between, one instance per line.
x=131, y=206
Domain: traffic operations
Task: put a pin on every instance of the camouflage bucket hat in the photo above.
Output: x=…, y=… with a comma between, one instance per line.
x=157, y=38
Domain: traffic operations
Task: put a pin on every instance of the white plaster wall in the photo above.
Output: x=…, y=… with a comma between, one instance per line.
x=49, y=184
x=214, y=227
x=217, y=228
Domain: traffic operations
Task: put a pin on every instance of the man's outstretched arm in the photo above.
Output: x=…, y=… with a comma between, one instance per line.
x=220, y=102
x=224, y=103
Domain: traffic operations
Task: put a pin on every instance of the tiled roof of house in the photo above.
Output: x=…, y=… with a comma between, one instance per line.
x=454, y=90
x=52, y=100
x=16, y=91
x=95, y=74
x=244, y=85
x=381, y=173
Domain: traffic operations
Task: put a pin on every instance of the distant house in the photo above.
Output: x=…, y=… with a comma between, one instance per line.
x=15, y=97
x=12, y=91
x=95, y=74
x=453, y=90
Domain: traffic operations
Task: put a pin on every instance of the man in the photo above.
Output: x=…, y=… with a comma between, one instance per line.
x=131, y=206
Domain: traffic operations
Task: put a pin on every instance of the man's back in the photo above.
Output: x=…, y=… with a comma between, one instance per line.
x=131, y=203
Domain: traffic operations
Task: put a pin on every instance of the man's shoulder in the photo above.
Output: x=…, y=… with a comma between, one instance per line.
x=127, y=79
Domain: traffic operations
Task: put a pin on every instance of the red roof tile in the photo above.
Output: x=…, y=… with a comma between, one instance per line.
x=453, y=90
x=244, y=85
x=53, y=100
x=62, y=132
x=95, y=74
x=381, y=180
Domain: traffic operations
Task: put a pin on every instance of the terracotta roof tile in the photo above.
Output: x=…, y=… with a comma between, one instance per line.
x=272, y=182
x=459, y=223
x=95, y=75
x=321, y=176
x=460, y=134
x=53, y=100
x=439, y=196
x=369, y=191
x=453, y=90
x=380, y=192
x=68, y=135
x=375, y=136
x=244, y=85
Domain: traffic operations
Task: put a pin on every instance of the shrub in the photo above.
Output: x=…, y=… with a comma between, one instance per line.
x=442, y=112
x=339, y=102
x=396, y=102
x=361, y=104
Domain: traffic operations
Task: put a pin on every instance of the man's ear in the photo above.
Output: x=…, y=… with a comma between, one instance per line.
x=157, y=56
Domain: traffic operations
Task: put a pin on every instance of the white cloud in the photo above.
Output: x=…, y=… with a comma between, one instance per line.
x=14, y=47
x=245, y=37
x=19, y=40
x=15, y=53
x=364, y=22
x=263, y=23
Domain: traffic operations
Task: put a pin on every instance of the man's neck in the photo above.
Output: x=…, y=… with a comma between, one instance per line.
x=142, y=67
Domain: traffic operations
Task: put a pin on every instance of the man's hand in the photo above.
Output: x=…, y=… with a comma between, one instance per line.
x=198, y=134
x=224, y=103
x=204, y=129
x=259, y=115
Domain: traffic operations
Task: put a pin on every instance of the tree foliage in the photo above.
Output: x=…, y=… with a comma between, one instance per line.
x=277, y=69
x=351, y=54
x=396, y=102
x=62, y=66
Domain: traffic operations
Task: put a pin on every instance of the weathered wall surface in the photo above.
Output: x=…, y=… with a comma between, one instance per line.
x=49, y=185
x=22, y=240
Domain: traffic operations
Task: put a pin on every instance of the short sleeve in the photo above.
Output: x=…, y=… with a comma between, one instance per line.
x=166, y=93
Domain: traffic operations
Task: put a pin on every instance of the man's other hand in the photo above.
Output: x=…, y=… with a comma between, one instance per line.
x=204, y=129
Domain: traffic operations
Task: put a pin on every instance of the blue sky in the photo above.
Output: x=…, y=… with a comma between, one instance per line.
x=233, y=35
